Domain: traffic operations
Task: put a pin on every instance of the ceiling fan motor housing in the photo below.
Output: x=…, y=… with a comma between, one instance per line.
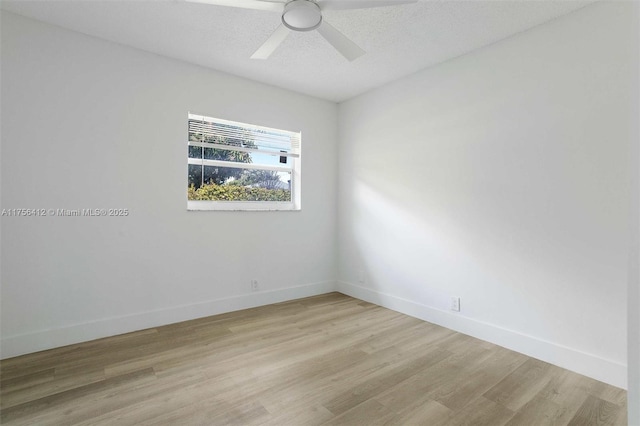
x=302, y=15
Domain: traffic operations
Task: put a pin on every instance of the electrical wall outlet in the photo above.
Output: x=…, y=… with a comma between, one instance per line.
x=254, y=285
x=455, y=304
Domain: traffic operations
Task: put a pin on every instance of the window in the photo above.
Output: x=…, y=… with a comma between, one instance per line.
x=238, y=166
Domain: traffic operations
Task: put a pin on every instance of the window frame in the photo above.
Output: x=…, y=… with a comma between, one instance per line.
x=295, y=169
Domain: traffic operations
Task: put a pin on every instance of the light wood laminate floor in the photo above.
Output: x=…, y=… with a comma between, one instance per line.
x=329, y=359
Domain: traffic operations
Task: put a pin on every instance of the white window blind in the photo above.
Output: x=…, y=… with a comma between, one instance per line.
x=216, y=133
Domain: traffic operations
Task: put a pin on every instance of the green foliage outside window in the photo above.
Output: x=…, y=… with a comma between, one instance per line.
x=214, y=192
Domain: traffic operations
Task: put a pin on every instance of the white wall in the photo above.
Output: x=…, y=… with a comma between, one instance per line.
x=633, y=306
x=501, y=177
x=92, y=124
x=633, y=339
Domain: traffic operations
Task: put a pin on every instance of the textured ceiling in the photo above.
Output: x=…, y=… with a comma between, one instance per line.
x=399, y=40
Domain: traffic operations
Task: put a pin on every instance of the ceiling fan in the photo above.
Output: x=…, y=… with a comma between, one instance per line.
x=306, y=15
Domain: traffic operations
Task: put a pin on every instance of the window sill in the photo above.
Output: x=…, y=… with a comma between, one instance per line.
x=241, y=206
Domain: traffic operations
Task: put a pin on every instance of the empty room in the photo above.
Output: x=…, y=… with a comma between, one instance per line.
x=319, y=212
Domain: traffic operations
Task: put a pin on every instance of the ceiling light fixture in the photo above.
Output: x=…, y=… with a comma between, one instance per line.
x=301, y=15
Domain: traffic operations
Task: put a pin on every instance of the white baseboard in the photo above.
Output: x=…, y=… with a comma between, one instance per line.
x=590, y=365
x=52, y=338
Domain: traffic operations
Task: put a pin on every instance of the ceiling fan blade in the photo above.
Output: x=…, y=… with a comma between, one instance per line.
x=342, y=44
x=359, y=4
x=272, y=43
x=270, y=5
